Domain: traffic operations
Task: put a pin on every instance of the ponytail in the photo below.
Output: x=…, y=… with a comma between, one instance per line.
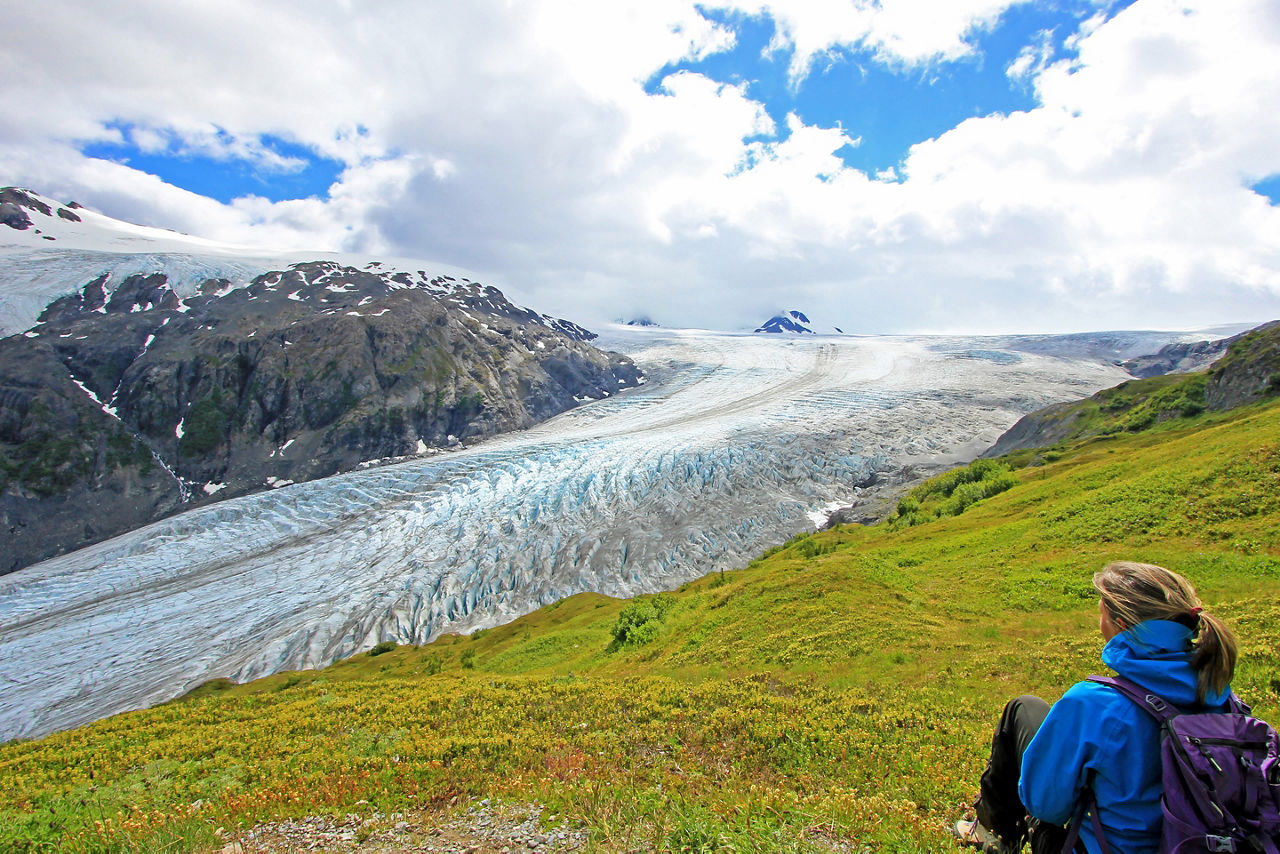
x=1133, y=592
x=1215, y=658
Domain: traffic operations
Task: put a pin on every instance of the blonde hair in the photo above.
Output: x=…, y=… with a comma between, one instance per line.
x=1133, y=592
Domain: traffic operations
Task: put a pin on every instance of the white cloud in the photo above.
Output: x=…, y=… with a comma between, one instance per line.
x=1033, y=58
x=518, y=140
x=898, y=32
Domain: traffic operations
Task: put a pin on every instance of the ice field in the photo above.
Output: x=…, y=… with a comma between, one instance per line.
x=731, y=445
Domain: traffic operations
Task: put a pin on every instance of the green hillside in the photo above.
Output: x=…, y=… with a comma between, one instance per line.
x=836, y=694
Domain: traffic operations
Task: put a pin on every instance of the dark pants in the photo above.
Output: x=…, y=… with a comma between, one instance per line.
x=999, y=807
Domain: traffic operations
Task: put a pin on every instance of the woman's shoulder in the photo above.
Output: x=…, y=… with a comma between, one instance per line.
x=1092, y=693
x=1102, y=708
x=1098, y=701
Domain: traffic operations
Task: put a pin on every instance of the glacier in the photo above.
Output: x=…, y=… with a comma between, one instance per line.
x=731, y=446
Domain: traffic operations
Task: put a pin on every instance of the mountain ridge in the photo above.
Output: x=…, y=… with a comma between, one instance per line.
x=794, y=322
x=128, y=400
x=1245, y=369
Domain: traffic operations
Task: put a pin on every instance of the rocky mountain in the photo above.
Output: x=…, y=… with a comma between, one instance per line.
x=1247, y=371
x=794, y=322
x=1179, y=357
x=135, y=396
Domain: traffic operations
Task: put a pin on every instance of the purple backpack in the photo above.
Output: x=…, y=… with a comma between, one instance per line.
x=1221, y=777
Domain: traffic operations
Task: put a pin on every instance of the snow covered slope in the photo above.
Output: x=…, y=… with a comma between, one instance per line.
x=66, y=246
x=732, y=444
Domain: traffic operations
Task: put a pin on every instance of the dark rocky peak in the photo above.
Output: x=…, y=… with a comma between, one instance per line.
x=790, y=321
x=143, y=293
x=17, y=204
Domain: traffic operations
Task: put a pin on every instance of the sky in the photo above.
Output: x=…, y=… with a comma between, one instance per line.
x=883, y=166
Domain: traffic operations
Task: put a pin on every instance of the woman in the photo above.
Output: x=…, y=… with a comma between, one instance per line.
x=1159, y=635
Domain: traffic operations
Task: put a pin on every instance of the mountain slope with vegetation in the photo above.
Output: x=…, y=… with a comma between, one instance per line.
x=1248, y=371
x=835, y=694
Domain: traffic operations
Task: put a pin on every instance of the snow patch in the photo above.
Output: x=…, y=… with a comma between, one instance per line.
x=211, y=488
x=819, y=517
x=110, y=410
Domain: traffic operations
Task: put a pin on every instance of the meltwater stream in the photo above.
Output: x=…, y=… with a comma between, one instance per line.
x=733, y=442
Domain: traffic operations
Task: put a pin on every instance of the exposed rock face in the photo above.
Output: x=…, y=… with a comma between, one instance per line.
x=1039, y=429
x=1178, y=358
x=14, y=200
x=14, y=216
x=791, y=321
x=126, y=403
x=1249, y=371
x=797, y=322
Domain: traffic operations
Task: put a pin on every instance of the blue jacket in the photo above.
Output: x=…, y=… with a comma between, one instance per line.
x=1095, y=727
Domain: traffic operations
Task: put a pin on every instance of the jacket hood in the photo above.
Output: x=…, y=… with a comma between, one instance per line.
x=1157, y=655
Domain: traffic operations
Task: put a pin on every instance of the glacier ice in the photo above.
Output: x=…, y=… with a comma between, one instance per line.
x=728, y=448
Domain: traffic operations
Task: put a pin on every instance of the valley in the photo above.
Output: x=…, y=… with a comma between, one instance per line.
x=730, y=447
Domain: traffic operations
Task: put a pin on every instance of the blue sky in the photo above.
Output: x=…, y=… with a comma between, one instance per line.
x=886, y=108
x=293, y=171
x=881, y=165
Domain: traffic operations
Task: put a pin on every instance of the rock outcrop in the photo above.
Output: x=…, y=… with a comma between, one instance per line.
x=1181, y=357
x=15, y=204
x=1250, y=370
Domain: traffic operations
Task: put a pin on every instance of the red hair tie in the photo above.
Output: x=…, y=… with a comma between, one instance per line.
x=1195, y=612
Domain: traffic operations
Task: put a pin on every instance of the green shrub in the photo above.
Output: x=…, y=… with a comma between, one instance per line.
x=205, y=426
x=638, y=623
x=379, y=649
x=953, y=492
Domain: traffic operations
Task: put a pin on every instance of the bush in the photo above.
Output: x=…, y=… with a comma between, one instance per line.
x=379, y=649
x=953, y=492
x=638, y=623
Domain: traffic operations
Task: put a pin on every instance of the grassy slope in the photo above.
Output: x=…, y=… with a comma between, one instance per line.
x=842, y=687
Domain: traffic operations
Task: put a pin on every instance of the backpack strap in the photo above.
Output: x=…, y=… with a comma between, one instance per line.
x=1159, y=708
x=1155, y=705
x=1089, y=804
